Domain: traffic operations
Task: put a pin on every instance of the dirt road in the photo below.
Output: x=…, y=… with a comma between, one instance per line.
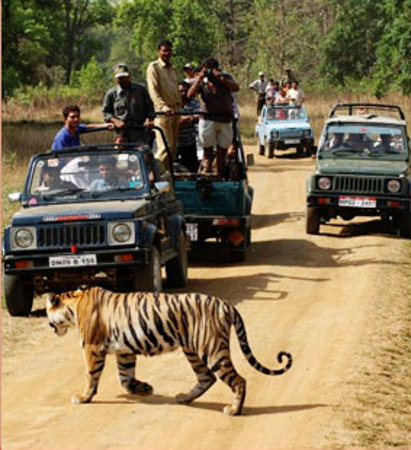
x=311, y=296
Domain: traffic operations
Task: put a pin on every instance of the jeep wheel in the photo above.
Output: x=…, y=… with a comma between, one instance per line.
x=236, y=255
x=148, y=277
x=312, y=220
x=404, y=225
x=300, y=149
x=261, y=149
x=19, y=295
x=176, y=268
x=270, y=149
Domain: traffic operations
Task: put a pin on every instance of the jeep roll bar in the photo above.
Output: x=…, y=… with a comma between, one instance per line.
x=355, y=106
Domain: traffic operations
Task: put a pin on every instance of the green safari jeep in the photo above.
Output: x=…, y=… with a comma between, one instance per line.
x=362, y=167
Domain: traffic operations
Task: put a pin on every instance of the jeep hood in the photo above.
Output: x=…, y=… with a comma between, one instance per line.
x=364, y=167
x=294, y=125
x=80, y=211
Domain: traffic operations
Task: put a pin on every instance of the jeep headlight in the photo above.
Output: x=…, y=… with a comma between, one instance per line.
x=324, y=183
x=394, y=186
x=306, y=133
x=23, y=238
x=121, y=233
x=275, y=134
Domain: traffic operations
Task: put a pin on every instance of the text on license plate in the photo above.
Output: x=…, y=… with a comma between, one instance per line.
x=292, y=141
x=192, y=231
x=357, y=202
x=73, y=261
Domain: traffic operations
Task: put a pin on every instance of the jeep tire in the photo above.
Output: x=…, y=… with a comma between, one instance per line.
x=261, y=149
x=404, y=224
x=148, y=277
x=176, y=268
x=270, y=149
x=19, y=295
x=312, y=220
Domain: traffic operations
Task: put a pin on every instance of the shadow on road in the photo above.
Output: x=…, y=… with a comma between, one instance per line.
x=157, y=399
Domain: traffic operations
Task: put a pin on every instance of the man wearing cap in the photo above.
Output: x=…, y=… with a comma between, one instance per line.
x=127, y=105
x=189, y=73
x=259, y=86
x=162, y=83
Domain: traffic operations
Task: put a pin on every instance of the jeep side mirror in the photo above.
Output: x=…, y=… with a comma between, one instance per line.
x=15, y=197
x=162, y=186
x=250, y=159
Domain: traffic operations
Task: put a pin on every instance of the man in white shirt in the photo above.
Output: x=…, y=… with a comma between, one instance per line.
x=295, y=94
x=259, y=86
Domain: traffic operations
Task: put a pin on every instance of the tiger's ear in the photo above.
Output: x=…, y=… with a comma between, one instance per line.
x=51, y=298
x=80, y=290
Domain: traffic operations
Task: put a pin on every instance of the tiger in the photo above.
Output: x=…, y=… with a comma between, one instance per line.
x=143, y=323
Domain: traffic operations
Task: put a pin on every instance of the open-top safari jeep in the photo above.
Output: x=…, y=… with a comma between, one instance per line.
x=217, y=210
x=363, y=167
x=80, y=226
x=282, y=127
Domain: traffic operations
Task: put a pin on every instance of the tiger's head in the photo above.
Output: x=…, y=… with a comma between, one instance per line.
x=62, y=311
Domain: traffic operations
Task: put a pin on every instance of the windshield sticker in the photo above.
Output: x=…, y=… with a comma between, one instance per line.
x=71, y=218
x=53, y=162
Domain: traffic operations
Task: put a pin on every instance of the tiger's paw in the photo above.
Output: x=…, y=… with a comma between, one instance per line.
x=77, y=399
x=183, y=399
x=140, y=388
x=230, y=411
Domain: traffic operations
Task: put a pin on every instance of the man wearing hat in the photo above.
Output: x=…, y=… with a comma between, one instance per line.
x=259, y=86
x=189, y=73
x=127, y=105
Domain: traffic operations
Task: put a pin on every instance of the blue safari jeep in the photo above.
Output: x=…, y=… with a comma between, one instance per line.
x=282, y=127
x=100, y=214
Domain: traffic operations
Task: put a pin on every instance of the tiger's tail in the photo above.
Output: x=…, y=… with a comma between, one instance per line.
x=242, y=338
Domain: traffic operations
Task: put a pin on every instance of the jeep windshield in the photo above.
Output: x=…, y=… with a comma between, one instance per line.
x=286, y=112
x=364, y=141
x=80, y=177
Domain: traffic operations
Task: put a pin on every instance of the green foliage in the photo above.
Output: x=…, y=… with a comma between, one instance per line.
x=393, y=65
x=360, y=43
x=349, y=49
x=90, y=80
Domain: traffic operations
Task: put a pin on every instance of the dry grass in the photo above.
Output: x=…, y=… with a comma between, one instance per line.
x=377, y=404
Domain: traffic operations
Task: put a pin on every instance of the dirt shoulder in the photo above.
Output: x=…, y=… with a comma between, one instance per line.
x=336, y=301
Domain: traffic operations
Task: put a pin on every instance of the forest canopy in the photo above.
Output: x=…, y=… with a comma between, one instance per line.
x=75, y=43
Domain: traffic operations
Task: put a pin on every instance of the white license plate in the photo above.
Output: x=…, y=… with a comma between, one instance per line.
x=357, y=202
x=73, y=261
x=292, y=141
x=192, y=231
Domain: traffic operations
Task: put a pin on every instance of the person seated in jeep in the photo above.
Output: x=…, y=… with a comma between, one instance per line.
x=386, y=145
x=358, y=142
x=336, y=141
x=108, y=177
x=51, y=181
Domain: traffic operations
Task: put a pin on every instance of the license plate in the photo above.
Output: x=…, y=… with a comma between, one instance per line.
x=192, y=231
x=292, y=141
x=73, y=261
x=357, y=202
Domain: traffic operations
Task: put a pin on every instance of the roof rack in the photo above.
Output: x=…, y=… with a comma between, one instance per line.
x=353, y=108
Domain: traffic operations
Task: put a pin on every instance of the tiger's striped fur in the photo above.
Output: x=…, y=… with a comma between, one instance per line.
x=144, y=323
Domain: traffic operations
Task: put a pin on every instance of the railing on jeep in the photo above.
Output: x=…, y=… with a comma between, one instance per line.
x=366, y=109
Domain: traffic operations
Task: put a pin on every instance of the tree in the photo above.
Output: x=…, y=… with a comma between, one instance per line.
x=349, y=50
x=393, y=52
x=79, y=16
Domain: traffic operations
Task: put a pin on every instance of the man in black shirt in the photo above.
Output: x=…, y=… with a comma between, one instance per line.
x=215, y=128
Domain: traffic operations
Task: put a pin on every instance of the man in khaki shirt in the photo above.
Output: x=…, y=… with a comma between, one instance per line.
x=162, y=83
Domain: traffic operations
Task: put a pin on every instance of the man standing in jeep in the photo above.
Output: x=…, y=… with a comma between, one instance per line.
x=126, y=105
x=215, y=128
